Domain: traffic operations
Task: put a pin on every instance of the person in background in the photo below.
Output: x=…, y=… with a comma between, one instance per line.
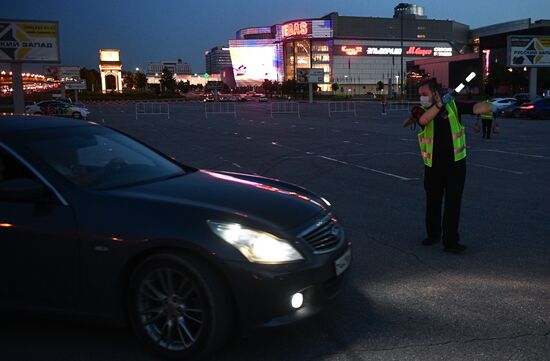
x=487, y=122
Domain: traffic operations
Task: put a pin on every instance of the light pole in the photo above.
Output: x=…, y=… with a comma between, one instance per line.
x=401, y=74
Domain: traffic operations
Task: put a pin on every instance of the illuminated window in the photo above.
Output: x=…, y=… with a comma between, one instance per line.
x=321, y=57
x=421, y=36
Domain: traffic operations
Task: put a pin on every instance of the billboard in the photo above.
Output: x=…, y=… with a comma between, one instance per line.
x=79, y=85
x=29, y=41
x=253, y=64
x=63, y=73
x=528, y=50
x=313, y=75
x=367, y=50
x=109, y=55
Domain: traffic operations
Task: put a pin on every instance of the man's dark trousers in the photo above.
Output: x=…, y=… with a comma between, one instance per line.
x=444, y=181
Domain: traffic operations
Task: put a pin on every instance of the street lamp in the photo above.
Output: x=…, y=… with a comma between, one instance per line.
x=137, y=69
x=401, y=74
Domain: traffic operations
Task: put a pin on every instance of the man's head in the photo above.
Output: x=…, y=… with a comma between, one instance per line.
x=430, y=91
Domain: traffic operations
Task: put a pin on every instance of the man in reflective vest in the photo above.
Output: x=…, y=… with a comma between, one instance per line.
x=487, y=122
x=443, y=148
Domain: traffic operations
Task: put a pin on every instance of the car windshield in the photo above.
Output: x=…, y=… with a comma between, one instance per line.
x=98, y=158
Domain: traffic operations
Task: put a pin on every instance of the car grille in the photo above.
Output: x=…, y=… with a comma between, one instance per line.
x=324, y=235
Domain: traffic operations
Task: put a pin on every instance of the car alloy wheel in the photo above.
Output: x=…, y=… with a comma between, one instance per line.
x=179, y=306
x=516, y=113
x=77, y=115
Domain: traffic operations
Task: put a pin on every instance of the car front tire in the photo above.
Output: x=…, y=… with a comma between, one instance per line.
x=77, y=115
x=179, y=306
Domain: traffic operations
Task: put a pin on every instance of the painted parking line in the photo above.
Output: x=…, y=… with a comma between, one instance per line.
x=498, y=169
x=367, y=168
x=537, y=156
x=331, y=159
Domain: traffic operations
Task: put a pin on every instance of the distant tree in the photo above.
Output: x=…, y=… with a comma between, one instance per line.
x=275, y=86
x=289, y=86
x=183, y=86
x=267, y=86
x=380, y=85
x=140, y=80
x=92, y=77
x=335, y=87
x=128, y=79
x=167, y=81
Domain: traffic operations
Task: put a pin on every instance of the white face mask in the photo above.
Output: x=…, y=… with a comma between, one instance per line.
x=425, y=101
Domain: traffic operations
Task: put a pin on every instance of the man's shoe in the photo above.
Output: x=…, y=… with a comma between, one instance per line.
x=456, y=248
x=430, y=241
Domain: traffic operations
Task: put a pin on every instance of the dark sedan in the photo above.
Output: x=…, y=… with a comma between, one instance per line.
x=95, y=223
x=540, y=108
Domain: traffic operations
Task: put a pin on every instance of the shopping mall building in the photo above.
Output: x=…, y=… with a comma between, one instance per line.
x=355, y=52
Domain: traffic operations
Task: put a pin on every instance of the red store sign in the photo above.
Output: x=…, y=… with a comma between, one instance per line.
x=352, y=50
x=299, y=28
x=418, y=51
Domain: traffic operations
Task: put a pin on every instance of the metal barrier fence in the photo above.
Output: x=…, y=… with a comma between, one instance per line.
x=220, y=108
x=399, y=106
x=285, y=108
x=153, y=108
x=342, y=107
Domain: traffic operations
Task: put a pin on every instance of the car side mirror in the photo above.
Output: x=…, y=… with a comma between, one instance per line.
x=21, y=189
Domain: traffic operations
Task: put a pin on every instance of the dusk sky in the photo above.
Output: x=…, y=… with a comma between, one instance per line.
x=150, y=31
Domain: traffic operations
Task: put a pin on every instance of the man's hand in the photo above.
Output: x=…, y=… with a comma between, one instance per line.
x=447, y=98
x=416, y=113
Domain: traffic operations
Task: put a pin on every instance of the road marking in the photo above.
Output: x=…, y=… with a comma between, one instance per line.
x=520, y=154
x=367, y=169
x=408, y=140
x=498, y=169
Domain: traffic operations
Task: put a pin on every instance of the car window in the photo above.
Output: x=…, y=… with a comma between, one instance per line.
x=11, y=168
x=102, y=153
x=98, y=158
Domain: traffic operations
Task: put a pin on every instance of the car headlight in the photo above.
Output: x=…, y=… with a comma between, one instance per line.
x=256, y=246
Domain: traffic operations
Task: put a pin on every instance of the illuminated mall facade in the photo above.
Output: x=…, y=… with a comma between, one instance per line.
x=355, y=52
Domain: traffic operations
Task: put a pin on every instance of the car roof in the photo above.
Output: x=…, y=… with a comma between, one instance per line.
x=13, y=123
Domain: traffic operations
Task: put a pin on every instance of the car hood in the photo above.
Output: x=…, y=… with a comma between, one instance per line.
x=257, y=198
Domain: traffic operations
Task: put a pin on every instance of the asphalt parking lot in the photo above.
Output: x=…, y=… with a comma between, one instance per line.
x=404, y=301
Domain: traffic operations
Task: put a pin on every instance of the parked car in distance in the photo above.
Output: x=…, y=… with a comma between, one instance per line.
x=511, y=111
x=58, y=108
x=540, y=108
x=262, y=99
x=499, y=103
x=522, y=97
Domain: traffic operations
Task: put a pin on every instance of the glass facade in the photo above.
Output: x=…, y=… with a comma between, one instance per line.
x=308, y=53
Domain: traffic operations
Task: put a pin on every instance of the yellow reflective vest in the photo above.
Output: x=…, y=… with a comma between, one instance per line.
x=426, y=137
x=487, y=115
